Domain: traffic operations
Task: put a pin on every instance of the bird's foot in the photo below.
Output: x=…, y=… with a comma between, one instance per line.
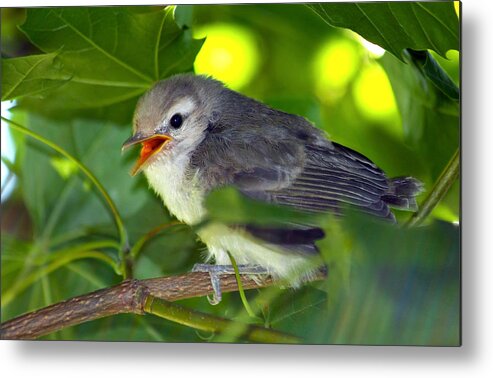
x=216, y=270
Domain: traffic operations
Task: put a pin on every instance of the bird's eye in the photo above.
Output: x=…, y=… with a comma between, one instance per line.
x=176, y=121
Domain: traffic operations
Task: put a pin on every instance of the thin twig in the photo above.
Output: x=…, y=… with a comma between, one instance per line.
x=441, y=187
x=131, y=296
x=126, y=261
x=240, y=287
x=210, y=323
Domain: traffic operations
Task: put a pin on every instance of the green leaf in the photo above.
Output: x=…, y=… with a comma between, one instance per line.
x=184, y=15
x=397, y=25
x=403, y=288
x=296, y=311
x=114, y=54
x=406, y=285
x=228, y=205
x=52, y=188
x=430, y=69
x=31, y=75
x=430, y=117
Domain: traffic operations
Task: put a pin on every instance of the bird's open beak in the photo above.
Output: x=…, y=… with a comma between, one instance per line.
x=151, y=145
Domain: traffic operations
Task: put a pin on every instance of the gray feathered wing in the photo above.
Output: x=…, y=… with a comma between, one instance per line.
x=331, y=178
x=310, y=177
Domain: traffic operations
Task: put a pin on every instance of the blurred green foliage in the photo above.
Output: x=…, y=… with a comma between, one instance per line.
x=76, y=74
x=397, y=26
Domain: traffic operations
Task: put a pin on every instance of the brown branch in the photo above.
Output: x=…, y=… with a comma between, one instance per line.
x=122, y=298
x=130, y=296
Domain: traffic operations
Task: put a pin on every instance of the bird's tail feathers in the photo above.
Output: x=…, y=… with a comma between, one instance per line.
x=402, y=193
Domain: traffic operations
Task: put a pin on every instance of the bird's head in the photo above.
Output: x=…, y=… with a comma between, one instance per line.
x=172, y=118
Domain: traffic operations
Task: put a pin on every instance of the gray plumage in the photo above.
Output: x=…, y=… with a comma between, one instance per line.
x=269, y=155
x=282, y=158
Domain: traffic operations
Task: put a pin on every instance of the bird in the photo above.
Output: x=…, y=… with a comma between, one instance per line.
x=197, y=135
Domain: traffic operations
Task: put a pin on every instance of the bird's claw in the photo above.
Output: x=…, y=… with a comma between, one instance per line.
x=216, y=286
x=216, y=270
x=215, y=281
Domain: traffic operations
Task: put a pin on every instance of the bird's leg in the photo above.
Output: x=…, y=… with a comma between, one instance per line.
x=216, y=270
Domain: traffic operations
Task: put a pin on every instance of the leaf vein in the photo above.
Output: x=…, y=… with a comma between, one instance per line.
x=434, y=46
x=374, y=26
x=104, y=52
x=24, y=77
x=156, y=47
x=436, y=18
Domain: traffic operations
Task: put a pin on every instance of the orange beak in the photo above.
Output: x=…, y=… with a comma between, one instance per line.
x=151, y=145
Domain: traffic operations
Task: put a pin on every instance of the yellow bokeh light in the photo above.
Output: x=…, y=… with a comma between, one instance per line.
x=229, y=54
x=334, y=66
x=373, y=93
x=65, y=167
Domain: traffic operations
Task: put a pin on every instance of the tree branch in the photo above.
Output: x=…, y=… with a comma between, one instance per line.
x=439, y=190
x=140, y=297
